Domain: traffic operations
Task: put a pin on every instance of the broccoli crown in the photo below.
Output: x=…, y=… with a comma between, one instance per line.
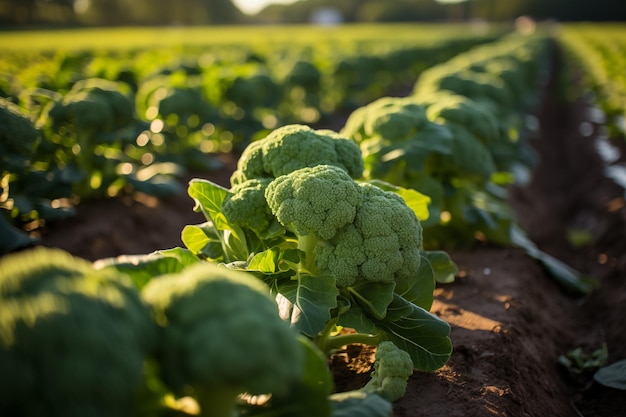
x=220, y=328
x=392, y=119
x=472, y=115
x=392, y=369
x=381, y=245
x=184, y=102
x=292, y=147
x=317, y=200
x=94, y=104
x=72, y=339
x=246, y=206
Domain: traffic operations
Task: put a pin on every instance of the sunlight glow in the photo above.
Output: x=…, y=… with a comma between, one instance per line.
x=252, y=7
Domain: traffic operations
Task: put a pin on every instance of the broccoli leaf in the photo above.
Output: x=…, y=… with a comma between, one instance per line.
x=422, y=334
x=311, y=298
x=443, y=267
x=209, y=197
x=374, y=297
x=613, y=375
x=203, y=240
x=419, y=290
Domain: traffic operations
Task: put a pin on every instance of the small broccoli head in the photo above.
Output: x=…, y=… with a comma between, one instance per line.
x=293, y=147
x=246, y=205
x=381, y=245
x=221, y=335
x=317, y=200
x=392, y=369
x=72, y=339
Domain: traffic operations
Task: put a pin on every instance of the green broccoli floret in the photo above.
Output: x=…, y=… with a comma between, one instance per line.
x=392, y=369
x=381, y=245
x=315, y=201
x=246, y=206
x=72, y=339
x=347, y=229
x=292, y=147
x=221, y=336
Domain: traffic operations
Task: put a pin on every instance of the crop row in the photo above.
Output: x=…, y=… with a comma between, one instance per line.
x=600, y=51
x=91, y=124
x=345, y=230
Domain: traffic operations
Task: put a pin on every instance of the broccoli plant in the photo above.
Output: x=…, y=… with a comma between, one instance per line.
x=335, y=251
x=221, y=336
x=73, y=339
x=406, y=143
x=92, y=124
x=29, y=185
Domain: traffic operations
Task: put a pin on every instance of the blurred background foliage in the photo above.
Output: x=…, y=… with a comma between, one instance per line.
x=29, y=13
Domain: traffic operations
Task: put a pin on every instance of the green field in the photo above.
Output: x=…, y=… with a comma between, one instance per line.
x=135, y=37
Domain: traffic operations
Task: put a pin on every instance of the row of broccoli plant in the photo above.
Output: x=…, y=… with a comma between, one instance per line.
x=102, y=125
x=460, y=138
x=598, y=53
x=296, y=252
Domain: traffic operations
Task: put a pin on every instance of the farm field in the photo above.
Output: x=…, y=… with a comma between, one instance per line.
x=510, y=320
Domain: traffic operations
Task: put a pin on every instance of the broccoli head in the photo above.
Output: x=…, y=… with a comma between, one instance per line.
x=381, y=245
x=72, y=339
x=94, y=105
x=221, y=336
x=317, y=200
x=392, y=369
x=292, y=147
x=347, y=229
x=246, y=206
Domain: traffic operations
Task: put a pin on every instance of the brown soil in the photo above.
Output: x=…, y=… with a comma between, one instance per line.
x=509, y=319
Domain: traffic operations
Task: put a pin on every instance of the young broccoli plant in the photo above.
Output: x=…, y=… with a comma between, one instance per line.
x=335, y=251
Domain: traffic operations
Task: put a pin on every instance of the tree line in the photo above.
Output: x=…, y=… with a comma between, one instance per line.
x=18, y=13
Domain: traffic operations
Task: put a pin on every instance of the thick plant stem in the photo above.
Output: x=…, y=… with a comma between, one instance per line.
x=307, y=245
x=217, y=401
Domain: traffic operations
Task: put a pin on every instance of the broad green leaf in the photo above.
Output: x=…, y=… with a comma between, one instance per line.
x=356, y=319
x=199, y=240
x=422, y=334
x=361, y=404
x=312, y=298
x=373, y=297
x=444, y=268
x=613, y=375
x=209, y=197
x=264, y=262
x=419, y=290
